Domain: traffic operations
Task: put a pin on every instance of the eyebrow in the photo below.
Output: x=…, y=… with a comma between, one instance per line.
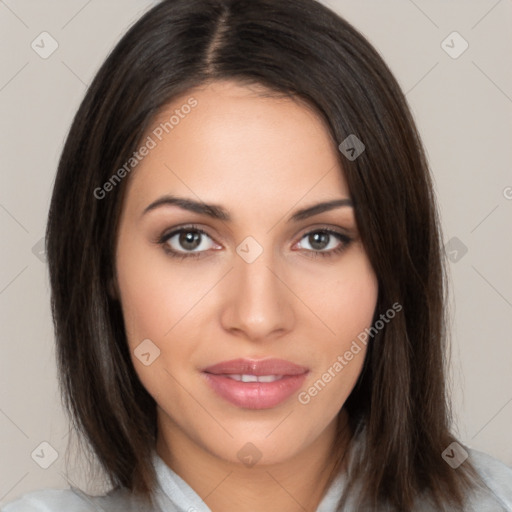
x=218, y=212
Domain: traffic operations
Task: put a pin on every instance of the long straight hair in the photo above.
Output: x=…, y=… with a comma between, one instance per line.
x=300, y=49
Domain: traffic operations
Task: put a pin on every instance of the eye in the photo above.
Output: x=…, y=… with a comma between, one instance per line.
x=188, y=241
x=325, y=242
x=192, y=241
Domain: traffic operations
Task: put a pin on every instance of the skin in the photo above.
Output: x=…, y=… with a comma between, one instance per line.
x=262, y=159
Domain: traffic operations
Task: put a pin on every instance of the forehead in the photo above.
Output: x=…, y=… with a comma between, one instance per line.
x=235, y=144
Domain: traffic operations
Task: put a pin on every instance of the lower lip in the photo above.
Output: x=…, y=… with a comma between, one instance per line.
x=255, y=395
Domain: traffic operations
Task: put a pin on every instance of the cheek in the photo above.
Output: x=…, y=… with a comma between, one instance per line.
x=346, y=305
x=164, y=302
x=346, y=299
x=153, y=303
x=153, y=299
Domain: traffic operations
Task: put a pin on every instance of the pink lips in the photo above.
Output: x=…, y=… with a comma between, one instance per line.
x=255, y=395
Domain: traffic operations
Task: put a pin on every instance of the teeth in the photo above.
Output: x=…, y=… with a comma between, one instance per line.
x=255, y=378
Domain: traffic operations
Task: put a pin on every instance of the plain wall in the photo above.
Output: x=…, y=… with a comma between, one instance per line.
x=463, y=108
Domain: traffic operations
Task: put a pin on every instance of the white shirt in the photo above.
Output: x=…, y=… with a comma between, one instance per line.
x=175, y=495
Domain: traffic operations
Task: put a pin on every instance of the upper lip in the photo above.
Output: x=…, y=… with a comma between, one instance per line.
x=256, y=367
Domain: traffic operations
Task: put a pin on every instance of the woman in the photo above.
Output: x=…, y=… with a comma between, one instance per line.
x=247, y=276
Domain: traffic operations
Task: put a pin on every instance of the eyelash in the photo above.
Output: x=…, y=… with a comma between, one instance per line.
x=162, y=240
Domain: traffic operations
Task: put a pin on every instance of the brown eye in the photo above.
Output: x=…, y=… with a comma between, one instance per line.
x=319, y=240
x=189, y=240
x=186, y=241
x=325, y=242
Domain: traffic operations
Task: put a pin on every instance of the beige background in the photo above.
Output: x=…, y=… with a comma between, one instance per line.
x=463, y=107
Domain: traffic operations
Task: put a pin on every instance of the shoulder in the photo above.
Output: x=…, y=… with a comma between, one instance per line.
x=489, y=466
x=492, y=494
x=50, y=500
x=498, y=478
x=74, y=500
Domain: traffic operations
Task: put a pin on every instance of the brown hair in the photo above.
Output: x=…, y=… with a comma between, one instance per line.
x=301, y=49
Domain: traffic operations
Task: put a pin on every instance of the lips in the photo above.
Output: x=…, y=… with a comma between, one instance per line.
x=255, y=384
x=256, y=367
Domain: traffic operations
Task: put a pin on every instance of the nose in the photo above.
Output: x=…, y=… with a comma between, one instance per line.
x=257, y=305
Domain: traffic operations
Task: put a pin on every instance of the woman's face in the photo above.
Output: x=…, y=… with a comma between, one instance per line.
x=257, y=283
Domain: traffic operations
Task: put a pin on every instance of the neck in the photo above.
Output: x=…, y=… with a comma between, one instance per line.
x=297, y=484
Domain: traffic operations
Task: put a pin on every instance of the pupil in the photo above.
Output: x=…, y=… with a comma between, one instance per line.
x=319, y=240
x=190, y=240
